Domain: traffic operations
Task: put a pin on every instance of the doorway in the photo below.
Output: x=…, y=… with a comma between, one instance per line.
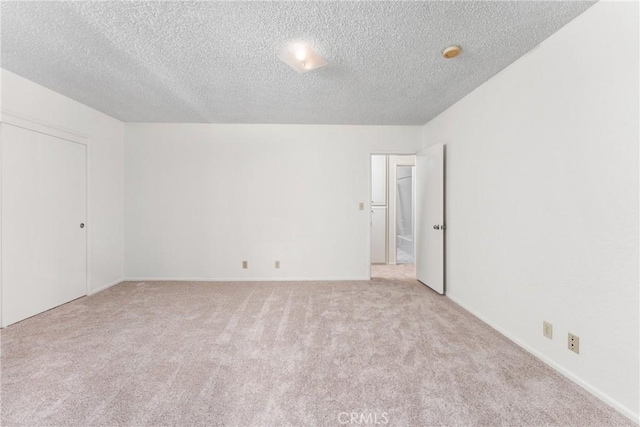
x=393, y=216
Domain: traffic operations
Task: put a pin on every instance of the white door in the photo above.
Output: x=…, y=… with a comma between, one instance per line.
x=378, y=235
x=44, y=250
x=430, y=217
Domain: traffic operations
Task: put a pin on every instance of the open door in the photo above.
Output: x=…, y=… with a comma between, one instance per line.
x=430, y=226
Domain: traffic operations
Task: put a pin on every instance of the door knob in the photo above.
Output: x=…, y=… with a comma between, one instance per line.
x=82, y=225
x=436, y=227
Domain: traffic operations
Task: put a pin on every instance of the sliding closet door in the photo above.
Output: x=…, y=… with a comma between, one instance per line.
x=44, y=247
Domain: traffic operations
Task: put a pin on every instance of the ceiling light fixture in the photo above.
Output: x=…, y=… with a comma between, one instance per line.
x=451, y=52
x=302, y=58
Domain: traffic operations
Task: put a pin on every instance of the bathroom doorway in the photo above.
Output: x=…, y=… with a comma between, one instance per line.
x=392, y=216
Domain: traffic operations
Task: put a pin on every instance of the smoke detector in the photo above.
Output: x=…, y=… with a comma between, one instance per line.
x=451, y=52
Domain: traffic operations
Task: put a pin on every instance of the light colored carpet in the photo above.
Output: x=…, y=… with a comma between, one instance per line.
x=261, y=354
x=391, y=271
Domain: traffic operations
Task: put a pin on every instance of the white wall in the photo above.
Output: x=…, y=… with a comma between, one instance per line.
x=202, y=198
x=106, y=167
x=542, y=200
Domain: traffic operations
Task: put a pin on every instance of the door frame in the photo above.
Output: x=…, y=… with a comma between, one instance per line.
x=369, y=205
x=12, y=118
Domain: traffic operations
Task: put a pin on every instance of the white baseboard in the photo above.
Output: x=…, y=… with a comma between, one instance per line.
x=244, y=279
x=582, y=383
x=102, y=288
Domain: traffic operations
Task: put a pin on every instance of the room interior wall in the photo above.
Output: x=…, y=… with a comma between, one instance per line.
x=542, y=200
x=542, y=207
x=202, y=198
x=106, y=167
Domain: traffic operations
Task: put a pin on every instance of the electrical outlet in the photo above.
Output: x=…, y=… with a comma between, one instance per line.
x=361, y=205
x=547, y=329
x=573, y=343
x=245, y=264
x=277, y=264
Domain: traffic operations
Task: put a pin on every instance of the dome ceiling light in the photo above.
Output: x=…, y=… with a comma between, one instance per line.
x=302, y=58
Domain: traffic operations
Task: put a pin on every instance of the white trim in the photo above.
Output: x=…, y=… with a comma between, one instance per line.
x=244, y=279
x=368, y=216
x=30, y=123
x=102, y=288
x=571, y=376
x=88, y=219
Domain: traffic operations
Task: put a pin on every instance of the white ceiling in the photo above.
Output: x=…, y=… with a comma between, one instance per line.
x=218, y=61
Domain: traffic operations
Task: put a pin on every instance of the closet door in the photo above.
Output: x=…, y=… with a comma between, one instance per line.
x=44, y=246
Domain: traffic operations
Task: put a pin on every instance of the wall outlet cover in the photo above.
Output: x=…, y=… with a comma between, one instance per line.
x=573, y=343
x=245, y=264
x=277, y=264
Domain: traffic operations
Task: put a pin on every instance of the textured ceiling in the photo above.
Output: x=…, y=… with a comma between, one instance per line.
x=218, y=61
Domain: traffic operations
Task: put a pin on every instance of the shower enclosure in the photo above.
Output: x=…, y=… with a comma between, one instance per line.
x=404, y=215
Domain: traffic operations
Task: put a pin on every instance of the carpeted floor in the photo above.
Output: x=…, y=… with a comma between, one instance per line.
x=271, y=354
x=393, y=271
